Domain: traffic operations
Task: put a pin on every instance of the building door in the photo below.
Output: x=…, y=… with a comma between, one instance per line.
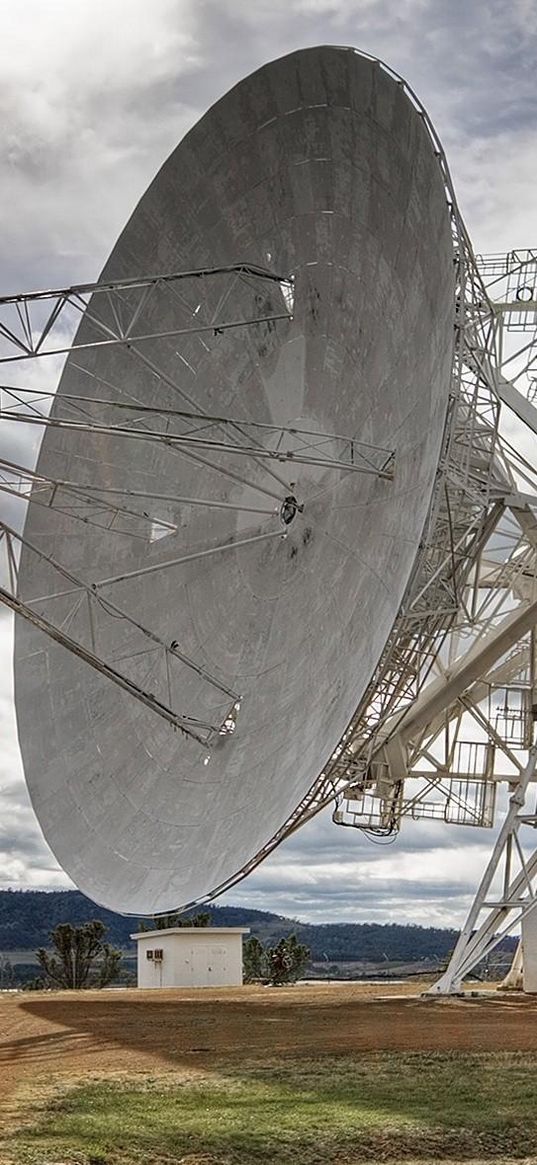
x=209, y=966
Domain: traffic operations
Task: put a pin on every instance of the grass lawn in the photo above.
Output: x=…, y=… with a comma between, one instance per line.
x=332, y=1110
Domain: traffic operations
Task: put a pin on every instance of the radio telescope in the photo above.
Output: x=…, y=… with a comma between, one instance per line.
x=265, y=538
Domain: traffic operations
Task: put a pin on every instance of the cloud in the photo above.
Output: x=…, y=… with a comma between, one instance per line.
x=427, y=874
x=25, y=859
x=90, y=108
x=93, y=97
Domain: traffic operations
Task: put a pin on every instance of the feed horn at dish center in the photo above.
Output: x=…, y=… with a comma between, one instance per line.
x=279, y=543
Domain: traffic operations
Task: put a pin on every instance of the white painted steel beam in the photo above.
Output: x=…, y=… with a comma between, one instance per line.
x=518, y=894
x=444, y=690
x=518, y=403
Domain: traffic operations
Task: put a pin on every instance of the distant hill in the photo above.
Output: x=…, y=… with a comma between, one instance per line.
x=28, y=916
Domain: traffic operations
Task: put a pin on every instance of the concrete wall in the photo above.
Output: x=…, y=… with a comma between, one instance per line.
x=192, y=957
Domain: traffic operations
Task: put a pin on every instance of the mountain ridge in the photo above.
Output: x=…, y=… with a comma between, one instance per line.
x=28, y=916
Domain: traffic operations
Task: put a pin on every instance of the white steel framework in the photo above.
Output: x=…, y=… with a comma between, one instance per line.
x=211, y=300
x=470, y=727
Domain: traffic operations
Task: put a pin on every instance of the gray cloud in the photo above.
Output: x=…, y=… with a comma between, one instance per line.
x=25, y=859
x=93, y=97
x=428, y=874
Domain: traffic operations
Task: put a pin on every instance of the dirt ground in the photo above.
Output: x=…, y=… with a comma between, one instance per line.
x=50, y=1041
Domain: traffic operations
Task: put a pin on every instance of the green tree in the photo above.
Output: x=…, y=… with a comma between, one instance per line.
x=7, y=976
x=287, y=961
x=165, y=921
x=283, y=963
x=254, y=960
x=36, y=984
x=80, y=958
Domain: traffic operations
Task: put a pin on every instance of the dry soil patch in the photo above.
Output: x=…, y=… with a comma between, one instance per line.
x=49, y=1041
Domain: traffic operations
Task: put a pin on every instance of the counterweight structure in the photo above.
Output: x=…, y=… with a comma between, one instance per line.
x=278, y=524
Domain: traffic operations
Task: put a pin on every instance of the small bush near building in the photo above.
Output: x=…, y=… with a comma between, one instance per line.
x=277, y=965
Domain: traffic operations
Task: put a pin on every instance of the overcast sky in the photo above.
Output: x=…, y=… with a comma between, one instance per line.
x=94, y=94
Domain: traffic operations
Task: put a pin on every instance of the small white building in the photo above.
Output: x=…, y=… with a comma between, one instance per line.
x=529, y=952
x=190, y=956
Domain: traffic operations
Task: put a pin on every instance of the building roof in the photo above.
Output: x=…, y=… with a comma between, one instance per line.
x=207, y=930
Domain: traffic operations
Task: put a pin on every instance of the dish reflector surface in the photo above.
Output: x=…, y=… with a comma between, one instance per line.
x=319, y=166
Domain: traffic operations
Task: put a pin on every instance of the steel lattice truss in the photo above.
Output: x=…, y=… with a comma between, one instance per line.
x=208, y=301
x=41, y=323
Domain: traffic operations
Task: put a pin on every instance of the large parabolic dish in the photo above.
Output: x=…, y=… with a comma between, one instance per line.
x=318, y=166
